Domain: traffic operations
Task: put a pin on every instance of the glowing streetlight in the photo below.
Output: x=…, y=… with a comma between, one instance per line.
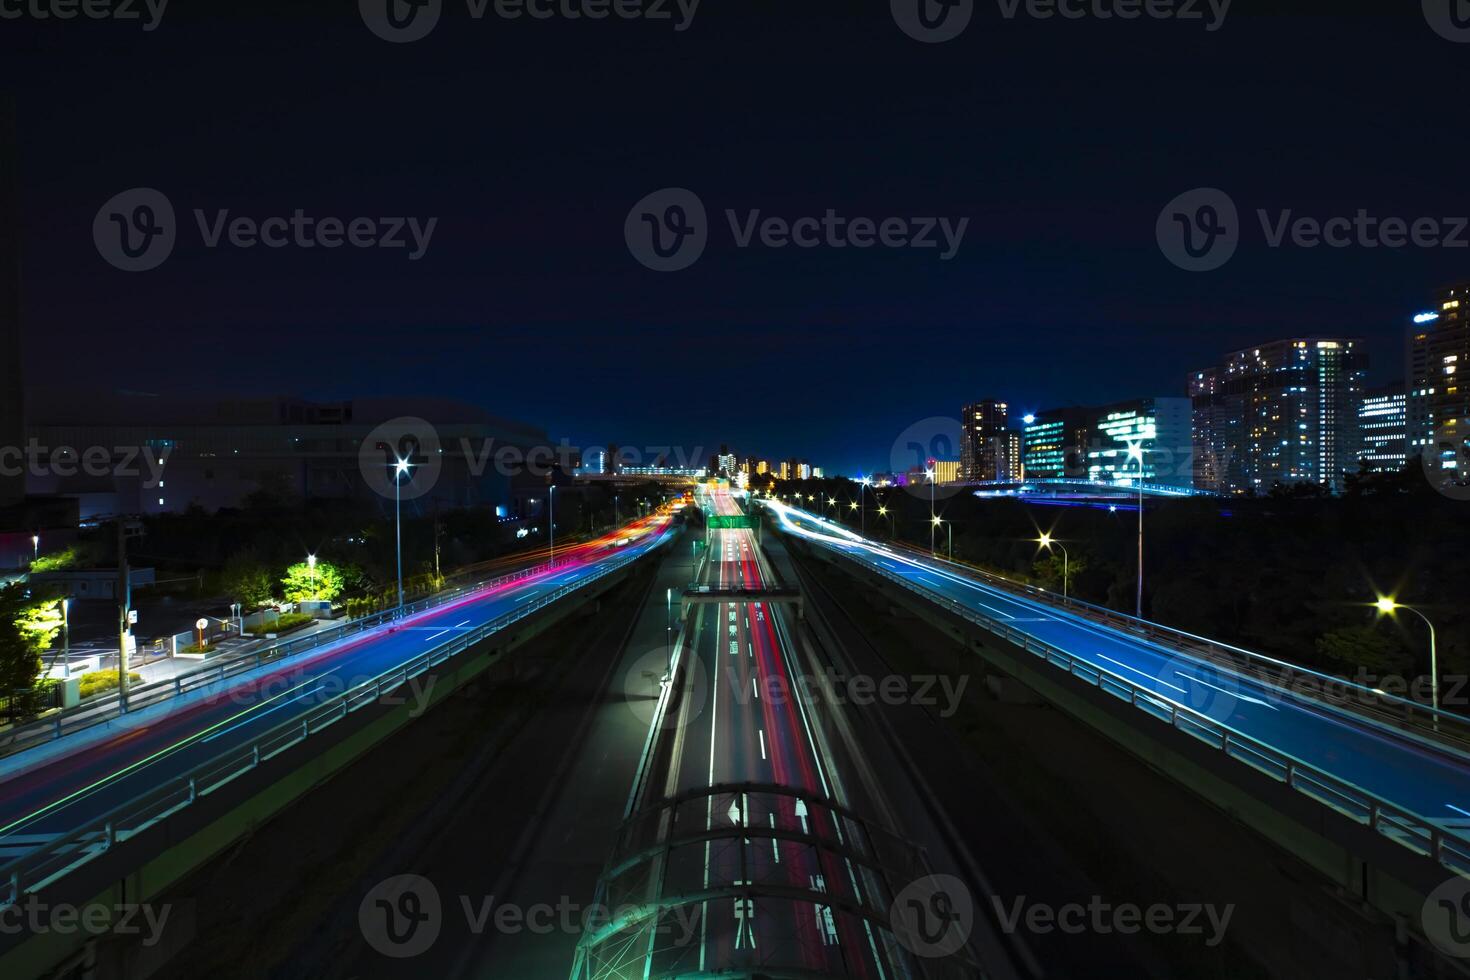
x=1135, y=451
x=35, y=546
x=1386, y=606
x=930, y=474
x=311, y=566
x=1046, y=541
x=934, y=523
x=400, y=467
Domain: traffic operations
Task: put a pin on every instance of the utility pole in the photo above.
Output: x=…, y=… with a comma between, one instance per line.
x=437, y=577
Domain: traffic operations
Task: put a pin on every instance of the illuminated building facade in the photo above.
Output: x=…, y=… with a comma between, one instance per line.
x=1447, y=352
x=1159, y=430
x=1053, y=443
x=1383, y=427
x=989, y=451
x=1284, y=412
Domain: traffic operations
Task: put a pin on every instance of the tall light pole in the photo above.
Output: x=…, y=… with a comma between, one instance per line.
x=1387, y=606
x=66, y=634
x=862, y=508
x=1135, y=451
x=400, y=467
x=932, y=522
x=1046, y=541
x=551, y=518
x=311, y=566
x=669, y=623
x=35, y=547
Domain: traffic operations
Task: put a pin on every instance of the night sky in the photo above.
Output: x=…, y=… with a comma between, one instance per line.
x=530, y=141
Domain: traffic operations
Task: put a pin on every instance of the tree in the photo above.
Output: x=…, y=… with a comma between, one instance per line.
x=303, y=582
x=1369, y=648
x=247, y=580
x=28, y=626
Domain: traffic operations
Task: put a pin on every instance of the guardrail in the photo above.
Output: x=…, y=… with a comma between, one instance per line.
x=1436, y=727
x=107, y=707
x=69, y=851
x=1402, y=826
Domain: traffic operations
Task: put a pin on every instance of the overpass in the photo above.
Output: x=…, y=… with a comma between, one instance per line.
x=1371, y=789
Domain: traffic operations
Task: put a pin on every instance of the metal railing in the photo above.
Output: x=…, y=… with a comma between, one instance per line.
x=1433, y=726
x=70, y=850
x=1409, y=829
x=103, y=708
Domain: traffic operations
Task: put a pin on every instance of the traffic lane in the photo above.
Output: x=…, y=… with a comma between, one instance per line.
x=1417, y=780
x=154, y=754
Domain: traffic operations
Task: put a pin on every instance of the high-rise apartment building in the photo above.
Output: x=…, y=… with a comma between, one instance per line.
x=1447, y=395
x=1284, y=412
x=988, y=449
x=1383, y=428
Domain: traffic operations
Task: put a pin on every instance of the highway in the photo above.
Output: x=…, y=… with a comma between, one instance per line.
x=752, y=725
x=1430, y=783
x=47, y=796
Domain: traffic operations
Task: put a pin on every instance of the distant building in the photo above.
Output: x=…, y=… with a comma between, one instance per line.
x=1442, y=402
x=816, y=472
x=1054, y=443
x=1147, y=438
x=1383, y=428
x=986, y=450
x=762, y=467
x=164, y=455
x=1284, y=412
x=804, y=470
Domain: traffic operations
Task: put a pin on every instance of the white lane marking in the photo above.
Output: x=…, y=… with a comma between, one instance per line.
x=436, y=636
x=755, y=689
x=1141, y=673
x=1233, y=694
x=763, y=743
x=775, y=844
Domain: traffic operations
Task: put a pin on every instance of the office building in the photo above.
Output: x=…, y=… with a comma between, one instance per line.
x=1445, y=395
x=1281, y=413
x=1146, y=438
x=1054, y=443
x=1383, y=428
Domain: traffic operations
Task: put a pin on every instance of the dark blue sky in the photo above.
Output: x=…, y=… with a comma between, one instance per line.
x=530, y=141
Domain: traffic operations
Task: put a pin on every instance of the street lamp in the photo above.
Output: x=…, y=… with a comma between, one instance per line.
x=669, y=624
x=311, y=566
x=863, y=515
x=932, y=523
x=400, y=467
x=551, y=519
x=1135, y=451
x=1387, y=606
x=66, y=634
x=35, y=546
x=1046, y=541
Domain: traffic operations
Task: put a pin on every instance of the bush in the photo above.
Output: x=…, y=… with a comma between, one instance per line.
x=284, y=623
x=102, y=681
